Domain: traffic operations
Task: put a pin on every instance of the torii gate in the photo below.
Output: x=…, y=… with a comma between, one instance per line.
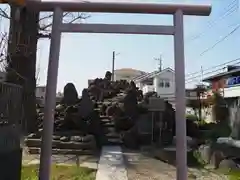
x=59, y=6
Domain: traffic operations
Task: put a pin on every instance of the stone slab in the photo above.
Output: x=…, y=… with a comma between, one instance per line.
x=111, y=165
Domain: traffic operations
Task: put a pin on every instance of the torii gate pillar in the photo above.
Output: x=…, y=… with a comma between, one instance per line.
x=58, y=6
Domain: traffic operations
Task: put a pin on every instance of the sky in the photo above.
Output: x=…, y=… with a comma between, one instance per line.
x=87, y=56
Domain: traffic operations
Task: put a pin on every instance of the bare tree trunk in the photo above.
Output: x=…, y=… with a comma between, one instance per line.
x=21, y=66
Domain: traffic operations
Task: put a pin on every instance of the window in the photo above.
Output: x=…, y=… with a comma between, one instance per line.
x=161, y=83
x=164, y=83
x=167, y=84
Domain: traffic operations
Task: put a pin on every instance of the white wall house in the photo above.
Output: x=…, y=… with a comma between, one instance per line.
x=40, y=92
x=162, y=82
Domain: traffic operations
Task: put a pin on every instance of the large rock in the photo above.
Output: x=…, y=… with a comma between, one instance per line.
x=86, y=106
x=205, y=152
x=70, y=95
x=228, y=164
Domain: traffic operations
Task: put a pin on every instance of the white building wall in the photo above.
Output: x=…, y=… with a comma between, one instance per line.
x=40, y=92
x=160, y=87
x=139, y=85
x=231, y=92
x=147, y=88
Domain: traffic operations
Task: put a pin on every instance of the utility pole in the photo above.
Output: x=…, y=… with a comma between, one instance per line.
x=160, y=62
x=113, y=65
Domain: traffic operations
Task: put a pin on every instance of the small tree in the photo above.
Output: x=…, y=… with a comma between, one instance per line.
x=200, y=89
x=198, y=104
x=220, y=109
x=220, y=114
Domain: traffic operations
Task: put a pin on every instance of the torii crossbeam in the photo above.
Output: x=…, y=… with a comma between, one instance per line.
x=59, y=6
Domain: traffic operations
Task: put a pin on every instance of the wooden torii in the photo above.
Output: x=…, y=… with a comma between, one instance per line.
x=17, y=2
x=59, y=6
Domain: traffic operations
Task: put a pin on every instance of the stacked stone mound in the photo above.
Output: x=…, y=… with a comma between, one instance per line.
x=107, y=113
x=64, y=143
x=77, y=127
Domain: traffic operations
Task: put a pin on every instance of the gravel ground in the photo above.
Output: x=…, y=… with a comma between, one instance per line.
x=141, y=166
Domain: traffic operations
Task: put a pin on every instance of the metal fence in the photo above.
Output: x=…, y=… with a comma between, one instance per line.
x=10, y=103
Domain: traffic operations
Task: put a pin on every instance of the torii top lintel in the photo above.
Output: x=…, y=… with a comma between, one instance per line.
x=119, y=7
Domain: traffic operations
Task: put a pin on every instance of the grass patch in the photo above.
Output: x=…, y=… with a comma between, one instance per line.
x=60, y=172
x=233, y=175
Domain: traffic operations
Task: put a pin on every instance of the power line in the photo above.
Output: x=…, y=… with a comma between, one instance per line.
x=232, y=7
x=213, y=67
x=207, y=73
x=221, y=40
x=195, y=77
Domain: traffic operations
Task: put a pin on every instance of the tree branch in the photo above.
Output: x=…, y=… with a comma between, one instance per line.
x=3, y=13
x=67, y=18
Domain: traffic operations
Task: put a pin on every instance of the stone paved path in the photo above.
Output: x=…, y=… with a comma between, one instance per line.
x=144, y=167
x=111, y=164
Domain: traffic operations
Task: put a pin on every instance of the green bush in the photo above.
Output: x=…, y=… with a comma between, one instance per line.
x=192, y=117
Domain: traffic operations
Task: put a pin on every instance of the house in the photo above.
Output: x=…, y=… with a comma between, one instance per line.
x=127, y=74
x=227, y=83
x=40, y=94
x=162, y=82
x=124, y=74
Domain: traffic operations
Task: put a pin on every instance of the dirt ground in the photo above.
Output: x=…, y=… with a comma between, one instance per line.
x=141, y=166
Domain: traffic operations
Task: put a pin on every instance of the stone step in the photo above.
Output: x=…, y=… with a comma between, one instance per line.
x=68, y=133
x=33, y=150
x=64, y=136
x=114, y=141
x=104, y=117
x=106, y=122
x=62, y=145
x=112, y=135
x=110, y=124
x=110, y=129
